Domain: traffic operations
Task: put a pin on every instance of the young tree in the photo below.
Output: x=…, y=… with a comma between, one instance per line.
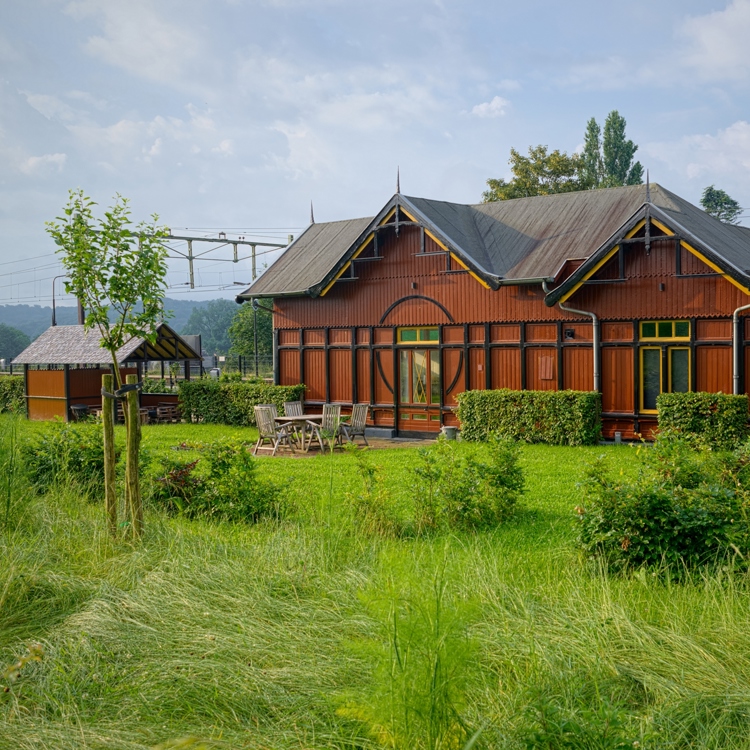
x=718, y=204
x=539, y=173
x=111, y=268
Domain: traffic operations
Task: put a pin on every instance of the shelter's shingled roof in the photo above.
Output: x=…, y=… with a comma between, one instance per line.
x=509, y=242
x=74, y=345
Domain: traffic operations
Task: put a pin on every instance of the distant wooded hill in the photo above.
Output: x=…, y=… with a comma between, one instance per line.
x=35, y=319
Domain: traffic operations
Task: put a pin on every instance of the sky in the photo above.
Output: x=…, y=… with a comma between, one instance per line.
x=236, y=115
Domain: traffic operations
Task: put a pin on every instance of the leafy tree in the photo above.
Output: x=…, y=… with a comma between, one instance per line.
x=212, y=322
x=718, y=204
x=112, y=268
x=241, y=332
x=618, y=153
x=605, y=162
x=12, y=342
x=539, y=173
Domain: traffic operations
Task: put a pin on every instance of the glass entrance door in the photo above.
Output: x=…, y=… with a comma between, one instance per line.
x=419, y=390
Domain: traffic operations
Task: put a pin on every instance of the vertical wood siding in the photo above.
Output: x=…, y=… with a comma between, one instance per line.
x=289, y=367
x=506, y=368
x=315, y=374
x=578, y=368
x=617, y=379
x=541, y=369
x=340, y=375
x=506, y=338
x=713, y=369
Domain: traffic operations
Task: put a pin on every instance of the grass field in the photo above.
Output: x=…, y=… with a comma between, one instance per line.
x=304, y=633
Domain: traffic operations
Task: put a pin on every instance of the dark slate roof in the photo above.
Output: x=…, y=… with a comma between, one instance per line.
x=74, y=345
x=308, y=260
x=510, y=242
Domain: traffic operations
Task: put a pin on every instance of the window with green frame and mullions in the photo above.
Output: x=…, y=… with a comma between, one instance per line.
x=422, y=336
x=665, y=330
x=663, y=368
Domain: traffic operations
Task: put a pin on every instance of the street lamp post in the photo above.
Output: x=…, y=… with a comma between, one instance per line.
x=54, y=318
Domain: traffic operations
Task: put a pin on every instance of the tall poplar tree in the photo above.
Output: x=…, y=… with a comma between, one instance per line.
x=606, y=161
x=618, y=153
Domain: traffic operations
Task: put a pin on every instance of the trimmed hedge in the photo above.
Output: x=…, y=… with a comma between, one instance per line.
x=208, y=400
x=715, y=418
x=11, y=395
x=555, y=417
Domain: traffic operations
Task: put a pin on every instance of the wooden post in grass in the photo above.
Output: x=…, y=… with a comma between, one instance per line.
x=110, y=496
x=132, y=485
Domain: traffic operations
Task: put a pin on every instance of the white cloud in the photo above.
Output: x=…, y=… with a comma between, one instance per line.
x=497, y=107
x=136, y=39
x=716, y=44
x=45, y=164
x=51, y=106
x=712, y=158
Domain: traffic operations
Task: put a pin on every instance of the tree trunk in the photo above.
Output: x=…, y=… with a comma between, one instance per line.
x=110, y=494
x=133, y=426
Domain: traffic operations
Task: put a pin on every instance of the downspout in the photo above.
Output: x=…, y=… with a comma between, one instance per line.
x=736, y=346
x=595, y=326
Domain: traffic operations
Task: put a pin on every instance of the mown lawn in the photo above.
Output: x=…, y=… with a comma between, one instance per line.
x=304, y=633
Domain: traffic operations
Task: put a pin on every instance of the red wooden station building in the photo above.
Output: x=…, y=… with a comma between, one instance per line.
x=630, y=291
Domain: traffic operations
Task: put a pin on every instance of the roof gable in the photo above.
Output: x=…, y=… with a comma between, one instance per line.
x=526, y=240
x=699, y=233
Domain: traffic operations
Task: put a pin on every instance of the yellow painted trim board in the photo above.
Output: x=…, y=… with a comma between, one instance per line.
x=357, y=253
x=607, y=257
x=702, y=258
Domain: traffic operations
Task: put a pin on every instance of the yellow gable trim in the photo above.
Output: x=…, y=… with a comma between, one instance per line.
x=702, y=258
x=607, y=257
x=357, y=252
x=664, y=228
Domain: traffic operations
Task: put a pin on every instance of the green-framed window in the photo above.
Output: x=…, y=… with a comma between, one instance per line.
x=665, y=330
x=679, y=378
x=424, y=336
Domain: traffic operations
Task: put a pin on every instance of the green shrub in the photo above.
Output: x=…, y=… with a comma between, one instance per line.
x=150, y=385
x=453, y=486
x=555, y=417
x=227, y=488
x=719, y=419
x=65, y=451
x=175, y=486
x=481, y=491
x=375, y=508
x=11, y=395
x=686, y=508
x=231, y=403
x=554, y=727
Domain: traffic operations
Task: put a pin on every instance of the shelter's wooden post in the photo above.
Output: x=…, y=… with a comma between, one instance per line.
x=110, y=496
x=133, y=494
x=66, y=388
x=25, y=386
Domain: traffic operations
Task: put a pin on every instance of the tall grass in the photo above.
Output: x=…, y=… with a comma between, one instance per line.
x=309, y=632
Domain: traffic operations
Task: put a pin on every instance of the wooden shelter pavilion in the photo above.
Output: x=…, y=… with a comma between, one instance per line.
x=628, y=291
x=64, y=367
